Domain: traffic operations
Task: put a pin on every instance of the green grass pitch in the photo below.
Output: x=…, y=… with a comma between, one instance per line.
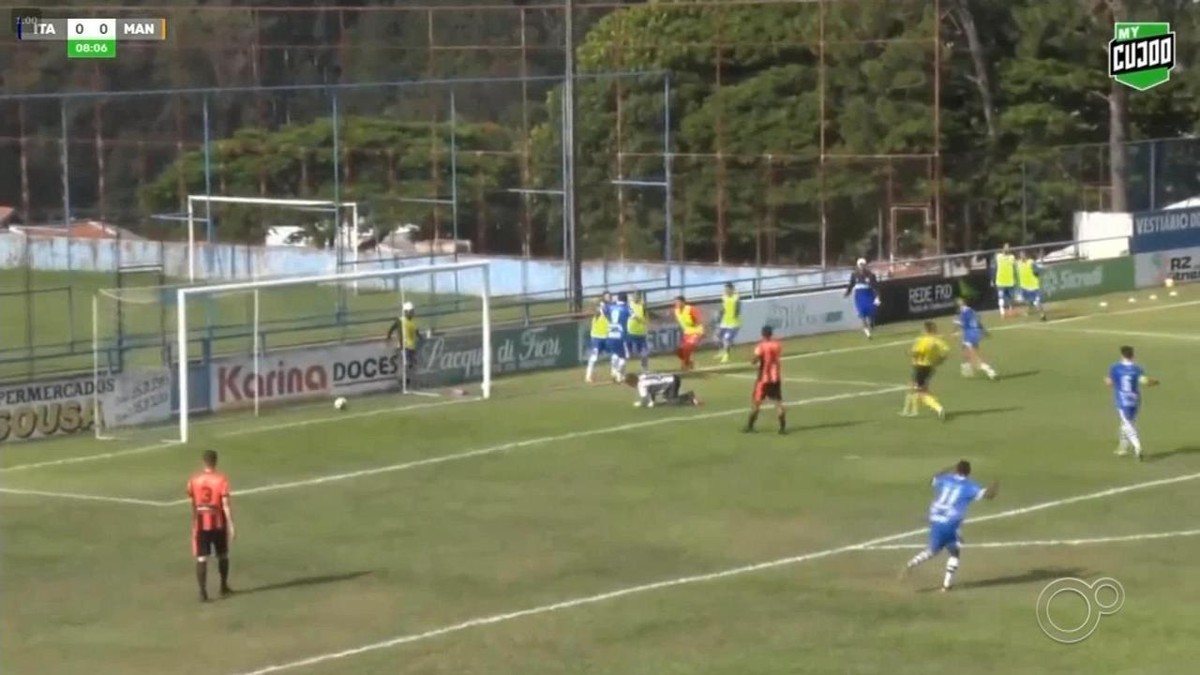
x=558, y=529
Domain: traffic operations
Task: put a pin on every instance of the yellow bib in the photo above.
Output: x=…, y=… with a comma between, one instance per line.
x=1028, y=277
x=599, y=326
x=729, y=312
x=637, y=319
x=684, y=317
x=1005, y=270
x=408, y=332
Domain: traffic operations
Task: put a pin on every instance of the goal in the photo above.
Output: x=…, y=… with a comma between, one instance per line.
x=344, y=214
x=164, y=355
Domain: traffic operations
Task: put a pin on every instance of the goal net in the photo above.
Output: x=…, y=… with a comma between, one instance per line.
x=166, y=355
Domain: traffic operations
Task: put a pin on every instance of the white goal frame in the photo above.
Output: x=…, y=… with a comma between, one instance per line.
x=181, y=316
x=342, y=238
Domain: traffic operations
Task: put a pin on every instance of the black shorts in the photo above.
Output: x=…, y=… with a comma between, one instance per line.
x=768, y=391
x=208, y=542
x=921, y=375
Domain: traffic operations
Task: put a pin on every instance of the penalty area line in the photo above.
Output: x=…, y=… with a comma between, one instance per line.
x=682, y=581
x=344, y=416
x=1048, y=542
x=83, y=497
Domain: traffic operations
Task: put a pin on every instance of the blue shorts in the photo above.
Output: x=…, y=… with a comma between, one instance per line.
x=727, y=335
x=1128, y=413
x=943, y=535
x=599, y=345
x=972, y=338
x=1033, y=297
x=1005, y=292
x=616, y=347
x=864, y=305
x=636, y=344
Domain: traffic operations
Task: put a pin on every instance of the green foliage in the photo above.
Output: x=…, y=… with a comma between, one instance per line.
x=381, y=162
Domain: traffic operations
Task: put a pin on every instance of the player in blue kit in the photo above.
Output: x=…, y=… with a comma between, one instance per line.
x=973, y=333
x=863, y=284
x=1126, y=378
x=954, y=492
x=617, y=343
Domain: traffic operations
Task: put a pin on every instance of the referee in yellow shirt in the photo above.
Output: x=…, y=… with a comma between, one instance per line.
x=928, y=352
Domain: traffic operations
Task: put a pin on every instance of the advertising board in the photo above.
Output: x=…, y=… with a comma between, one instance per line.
x=1165, y=229
x=49, y=408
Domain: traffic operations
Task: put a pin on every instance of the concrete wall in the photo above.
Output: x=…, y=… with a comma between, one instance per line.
x=509, y=276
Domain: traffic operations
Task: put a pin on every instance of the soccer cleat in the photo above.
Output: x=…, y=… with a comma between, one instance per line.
x=942, y=414
x=697, y=402
x=203, y=596
x=1137, y=454
x=725, y=358
x=226, y=591
x=906, y=413
x=1122, y=452
x=946, y=589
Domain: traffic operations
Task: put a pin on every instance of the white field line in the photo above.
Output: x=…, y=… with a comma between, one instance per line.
x=258, y=429
x=682, y=581
x=90, y=458
x=87, y=498
x=542, y=440
x=817, y=380
x=382, y=411
x=1048, y=542
x=1130, y=333
x=907, y=341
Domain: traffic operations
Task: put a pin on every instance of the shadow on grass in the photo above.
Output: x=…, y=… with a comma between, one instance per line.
x=301, y=582
x=955, y=414
x=826, y=425
x=1033, y=576
x=1019, y=374
x=1183, y=450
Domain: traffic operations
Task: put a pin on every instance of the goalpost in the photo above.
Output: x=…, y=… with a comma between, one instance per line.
x=345, y=239
x=164, y=354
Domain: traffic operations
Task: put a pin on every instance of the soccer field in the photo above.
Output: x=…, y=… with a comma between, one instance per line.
x=558, y=529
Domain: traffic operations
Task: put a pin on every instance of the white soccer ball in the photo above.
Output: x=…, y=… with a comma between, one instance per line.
x=1132, y=300
x=1153, y=297
x=1103, y=304
x=1174, y=293
x=339, y=403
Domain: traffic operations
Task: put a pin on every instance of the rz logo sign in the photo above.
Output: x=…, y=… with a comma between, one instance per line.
x=1183, y=262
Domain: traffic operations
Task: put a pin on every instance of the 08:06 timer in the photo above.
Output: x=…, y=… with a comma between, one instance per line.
x=90, y=47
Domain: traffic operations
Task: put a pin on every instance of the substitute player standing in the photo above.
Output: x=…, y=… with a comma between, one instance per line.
x=954, y=492
x=769, y=385
x=864, y=285
x=729, y=323
x=928, y=352
x=1029, y=276
x=212, y=522
x=599, y=336
x=1005, y=280
x=1126, y=378
x=639, y=321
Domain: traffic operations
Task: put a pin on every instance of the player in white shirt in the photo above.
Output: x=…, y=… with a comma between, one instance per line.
x=660, y=389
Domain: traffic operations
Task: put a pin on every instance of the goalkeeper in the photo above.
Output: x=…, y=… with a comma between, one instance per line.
x=405, y=328
x=654, y=389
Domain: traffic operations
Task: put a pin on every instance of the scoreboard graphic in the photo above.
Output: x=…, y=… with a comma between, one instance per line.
x=90, y=38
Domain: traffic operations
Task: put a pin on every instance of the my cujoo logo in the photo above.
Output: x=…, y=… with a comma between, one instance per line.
x=1141, y=54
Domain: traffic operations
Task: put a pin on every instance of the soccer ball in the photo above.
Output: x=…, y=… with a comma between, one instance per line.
x=339, y=403
x=1169, y=282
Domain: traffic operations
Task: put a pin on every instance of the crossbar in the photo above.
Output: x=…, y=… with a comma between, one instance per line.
x=223, y=199
x=534, y=191
x=424, y=200
x=182, y=294
x=641, y=183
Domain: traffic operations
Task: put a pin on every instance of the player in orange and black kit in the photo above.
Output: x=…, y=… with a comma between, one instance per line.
x=212, y=522
x=769, y=385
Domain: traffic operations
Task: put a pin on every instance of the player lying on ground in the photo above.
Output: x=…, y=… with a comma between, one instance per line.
x=954, y=492
x=655, y=389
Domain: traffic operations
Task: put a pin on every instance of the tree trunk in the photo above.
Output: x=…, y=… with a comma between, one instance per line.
x=962, y=8
x=1118, y=122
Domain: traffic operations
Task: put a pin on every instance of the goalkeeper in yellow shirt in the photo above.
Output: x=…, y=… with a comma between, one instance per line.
x=927, y=353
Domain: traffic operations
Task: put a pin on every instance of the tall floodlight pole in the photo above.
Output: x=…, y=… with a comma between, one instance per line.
x=569, y=190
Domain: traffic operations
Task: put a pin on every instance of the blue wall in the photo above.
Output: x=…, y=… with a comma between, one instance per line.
x=509, y=276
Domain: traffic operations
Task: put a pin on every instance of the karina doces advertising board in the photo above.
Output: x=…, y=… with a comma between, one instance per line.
x=67, y=406
x=1083, y=278
x=1165, y=230
x=1180, y=265
x=932, y=296
x=346, y=370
